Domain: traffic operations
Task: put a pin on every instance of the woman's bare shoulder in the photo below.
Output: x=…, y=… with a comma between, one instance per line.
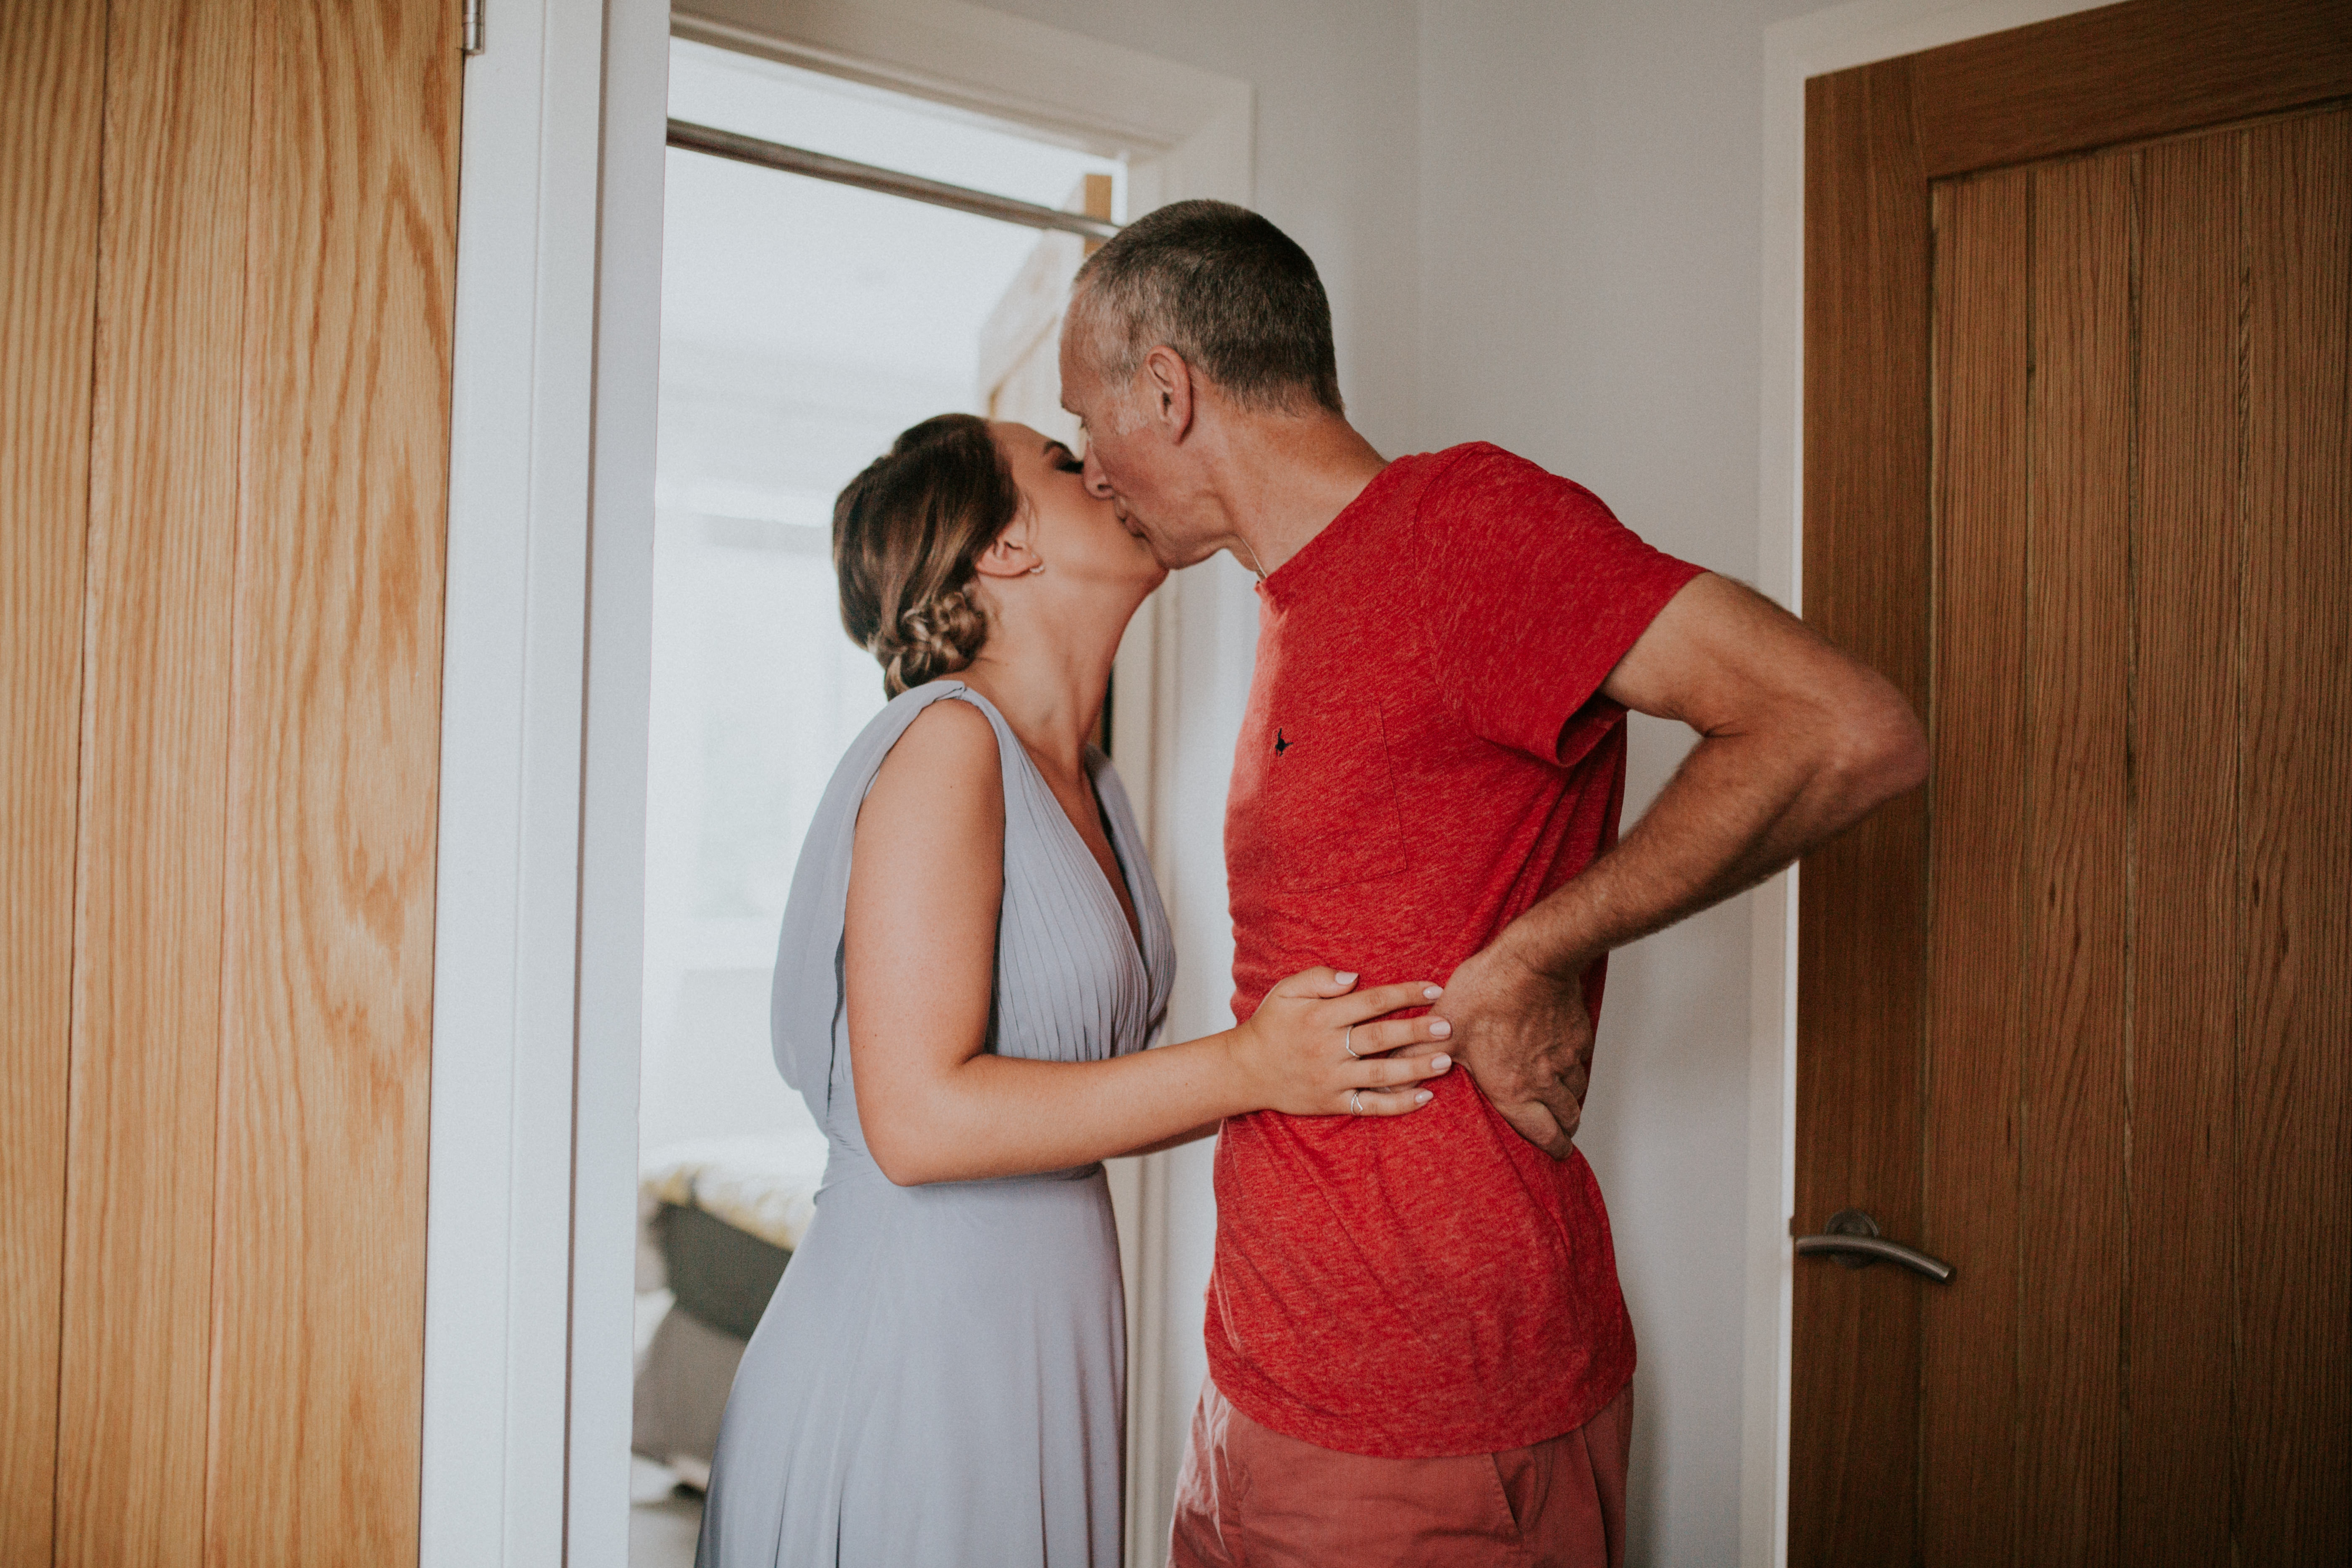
x=944, y=768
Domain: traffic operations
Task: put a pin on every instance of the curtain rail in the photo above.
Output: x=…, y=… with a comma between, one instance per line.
x=866, y=177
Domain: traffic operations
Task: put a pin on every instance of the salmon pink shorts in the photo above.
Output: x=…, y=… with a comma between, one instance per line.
x=1250, y=1498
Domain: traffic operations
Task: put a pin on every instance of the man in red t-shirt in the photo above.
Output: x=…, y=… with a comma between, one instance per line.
x=1418, y=1351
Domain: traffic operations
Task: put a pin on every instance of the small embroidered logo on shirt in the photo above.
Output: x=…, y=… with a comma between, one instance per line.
x=1280, y=744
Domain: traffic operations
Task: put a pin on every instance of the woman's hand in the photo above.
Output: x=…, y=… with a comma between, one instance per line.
x=1293, y=1053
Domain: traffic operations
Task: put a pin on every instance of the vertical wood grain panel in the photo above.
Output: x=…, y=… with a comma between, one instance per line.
x=52, y=93
x=1862, y=934
x=2293, y=1428
x=318, y=1285
x=2184, y=984
x=133, y=1414
x=1968, y=1334
x=2072, y=1101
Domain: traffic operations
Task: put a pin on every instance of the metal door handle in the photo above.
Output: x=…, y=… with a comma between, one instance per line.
x=1853, y=1240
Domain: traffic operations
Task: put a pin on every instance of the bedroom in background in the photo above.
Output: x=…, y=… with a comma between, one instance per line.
x=805, y=322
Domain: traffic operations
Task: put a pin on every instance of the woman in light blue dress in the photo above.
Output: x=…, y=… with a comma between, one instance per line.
x=975, y=956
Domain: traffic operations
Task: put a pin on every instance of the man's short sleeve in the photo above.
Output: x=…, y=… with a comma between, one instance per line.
x=1536, y=591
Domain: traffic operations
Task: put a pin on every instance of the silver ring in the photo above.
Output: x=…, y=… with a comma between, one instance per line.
x=1345, y=1038
x=1354, y=1104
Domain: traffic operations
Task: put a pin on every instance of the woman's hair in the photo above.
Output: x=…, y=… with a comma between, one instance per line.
x=906, y=535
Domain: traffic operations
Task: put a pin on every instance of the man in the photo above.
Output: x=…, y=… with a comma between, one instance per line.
x=1418, y=1351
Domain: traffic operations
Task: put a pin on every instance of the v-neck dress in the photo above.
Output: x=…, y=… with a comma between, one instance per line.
x=939, y=1380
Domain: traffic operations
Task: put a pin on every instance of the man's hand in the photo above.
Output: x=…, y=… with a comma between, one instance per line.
x=1526, y=1038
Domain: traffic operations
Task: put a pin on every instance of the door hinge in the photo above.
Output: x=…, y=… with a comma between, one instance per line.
x=469, y=26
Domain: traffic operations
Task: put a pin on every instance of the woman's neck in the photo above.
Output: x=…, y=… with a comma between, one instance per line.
x=1047, y=679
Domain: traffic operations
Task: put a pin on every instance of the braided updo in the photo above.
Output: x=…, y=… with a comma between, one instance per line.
x=906, y=535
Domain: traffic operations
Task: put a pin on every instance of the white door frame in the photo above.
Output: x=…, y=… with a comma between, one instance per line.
x=1813, y=45
x=532, y=1216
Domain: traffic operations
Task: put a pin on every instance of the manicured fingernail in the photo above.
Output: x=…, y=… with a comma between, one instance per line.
x=1432, y=993
x=1440, y=1063
x=1424, y=1098
x=1439, y=1029
x=1347, y=978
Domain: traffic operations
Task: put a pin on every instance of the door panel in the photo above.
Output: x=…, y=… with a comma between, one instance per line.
x=1977, y=974
x=2071, y=1111
x=2293, y=1187
x=1861, y=899
x=2111, y=409
x=52, y=93
x=319, y=1288
x=228, y=230
x=134, y=1388
x=2185, y=981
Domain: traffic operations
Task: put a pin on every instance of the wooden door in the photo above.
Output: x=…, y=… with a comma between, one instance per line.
x=2077, y=1019
x=226, y=228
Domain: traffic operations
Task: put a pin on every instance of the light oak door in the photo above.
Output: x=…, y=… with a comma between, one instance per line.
x=227, y=241
x=2076, y=1020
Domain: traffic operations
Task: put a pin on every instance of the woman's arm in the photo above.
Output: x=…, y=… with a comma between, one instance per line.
x=926, y=884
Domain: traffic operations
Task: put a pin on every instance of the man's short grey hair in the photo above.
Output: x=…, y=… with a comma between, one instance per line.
x=1226, y=289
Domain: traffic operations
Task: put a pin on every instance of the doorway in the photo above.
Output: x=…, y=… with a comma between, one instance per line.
x=533, y=1224
x=805, y=322
x=2074, y=1022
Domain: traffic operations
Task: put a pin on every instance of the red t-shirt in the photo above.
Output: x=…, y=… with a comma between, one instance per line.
x=1426, y=756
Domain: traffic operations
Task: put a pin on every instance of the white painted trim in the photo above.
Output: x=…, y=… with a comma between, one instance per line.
x=506, y=968
x=619, y=673
x=1813, y=45
x=1062, y=85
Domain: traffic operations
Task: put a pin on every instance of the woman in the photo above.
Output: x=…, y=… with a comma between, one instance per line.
x=973, y=957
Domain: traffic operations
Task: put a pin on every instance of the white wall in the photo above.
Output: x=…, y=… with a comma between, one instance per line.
x=1538, y=221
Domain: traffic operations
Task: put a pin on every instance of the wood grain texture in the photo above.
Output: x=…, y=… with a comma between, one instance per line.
x=2073, y=1092
x=2181, y=1285
x=52, y=94
x=2125, y=73
x=1861, y=945
x=133, y=1413
x=319, y=1274
x=2184, y=836
x=1981, y=732
x=2293, y=1419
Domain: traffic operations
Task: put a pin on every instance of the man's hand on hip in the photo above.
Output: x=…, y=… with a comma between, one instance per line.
x=1797, y=741
x=1526, y=1040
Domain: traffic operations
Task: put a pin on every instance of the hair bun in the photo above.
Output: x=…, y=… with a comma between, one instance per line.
x=934, y=639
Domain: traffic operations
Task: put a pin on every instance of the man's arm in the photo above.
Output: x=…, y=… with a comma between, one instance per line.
x=1796, y=742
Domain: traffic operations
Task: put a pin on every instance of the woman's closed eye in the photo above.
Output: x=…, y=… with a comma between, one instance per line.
x=1062, y=458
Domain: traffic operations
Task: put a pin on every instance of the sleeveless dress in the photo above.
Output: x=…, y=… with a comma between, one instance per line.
x=939, y=1380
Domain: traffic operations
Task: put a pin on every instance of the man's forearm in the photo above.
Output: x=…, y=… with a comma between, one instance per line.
x=1739, y=808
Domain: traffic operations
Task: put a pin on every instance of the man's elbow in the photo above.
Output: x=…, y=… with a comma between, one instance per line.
x=1881, y=752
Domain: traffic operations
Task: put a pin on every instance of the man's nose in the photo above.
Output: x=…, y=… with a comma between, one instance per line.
x=1098, y=482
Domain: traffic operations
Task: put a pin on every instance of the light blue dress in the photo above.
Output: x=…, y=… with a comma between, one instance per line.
x=939, y=1381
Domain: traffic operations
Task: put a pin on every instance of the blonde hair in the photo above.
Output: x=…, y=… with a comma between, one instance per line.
x=906, y=535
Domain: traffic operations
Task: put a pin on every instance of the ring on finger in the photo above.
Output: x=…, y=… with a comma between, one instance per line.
x=1344, y=1040
x=1355, y=1105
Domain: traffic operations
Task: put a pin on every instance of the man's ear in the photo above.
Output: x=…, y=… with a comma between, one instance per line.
x=1166, y=387
x=1011, y=554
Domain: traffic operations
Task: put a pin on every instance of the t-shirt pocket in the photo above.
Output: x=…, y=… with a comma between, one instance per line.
x=1316, y=800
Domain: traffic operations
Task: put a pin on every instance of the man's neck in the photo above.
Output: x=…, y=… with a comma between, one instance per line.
x=1284, y=480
